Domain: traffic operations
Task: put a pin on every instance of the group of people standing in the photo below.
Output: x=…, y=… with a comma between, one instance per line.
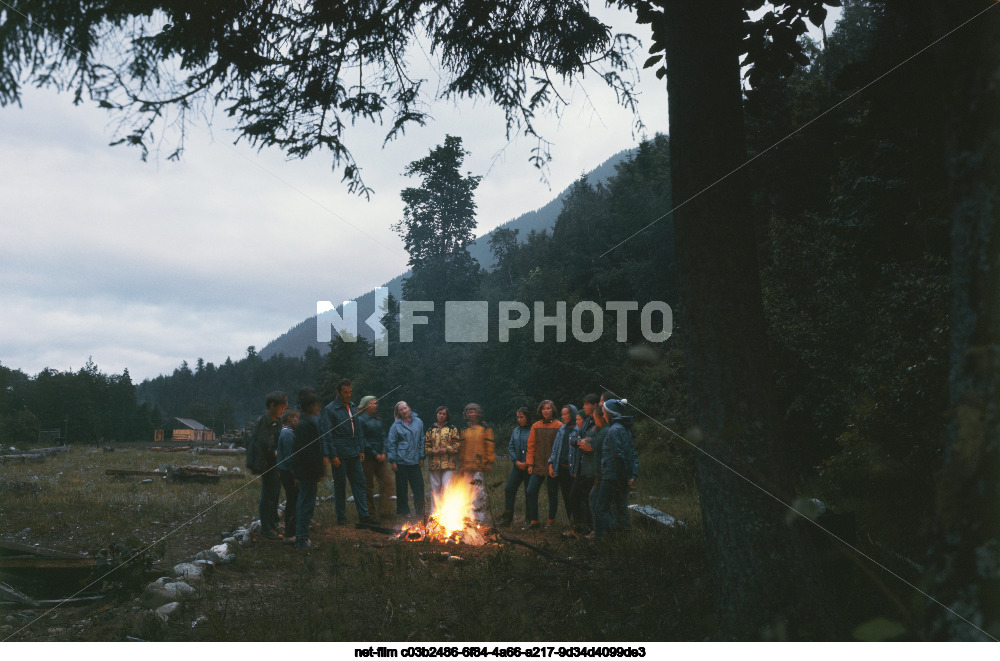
x=589, y=456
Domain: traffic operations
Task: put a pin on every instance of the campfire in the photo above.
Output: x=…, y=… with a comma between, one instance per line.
x=452, y=521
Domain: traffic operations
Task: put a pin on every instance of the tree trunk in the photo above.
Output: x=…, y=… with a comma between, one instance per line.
x=766, y=584
x=965, y=574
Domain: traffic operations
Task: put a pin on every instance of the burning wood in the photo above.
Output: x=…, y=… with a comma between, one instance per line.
x=452, y=521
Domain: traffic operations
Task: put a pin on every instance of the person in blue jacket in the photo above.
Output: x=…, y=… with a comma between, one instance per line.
x=343, y=445
x=563, y=456
x=619, y=468
x=405, y=449
x=517, y=450
x=375, y=464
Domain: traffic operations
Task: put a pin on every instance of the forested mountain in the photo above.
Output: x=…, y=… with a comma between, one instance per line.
x=303, y=334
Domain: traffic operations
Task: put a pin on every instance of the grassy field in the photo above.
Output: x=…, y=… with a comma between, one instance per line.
x=645, y=584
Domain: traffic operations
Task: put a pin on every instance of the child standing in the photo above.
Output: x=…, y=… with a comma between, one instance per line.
x=286, y=448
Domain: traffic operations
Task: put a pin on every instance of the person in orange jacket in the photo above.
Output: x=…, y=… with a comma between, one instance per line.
x=475, y=457
x=540, y=440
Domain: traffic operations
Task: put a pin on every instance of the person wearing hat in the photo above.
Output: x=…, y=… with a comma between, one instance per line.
x=375, y=466
x=619, y=469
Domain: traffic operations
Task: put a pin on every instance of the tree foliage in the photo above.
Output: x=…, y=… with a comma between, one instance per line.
x=298, y=76
x=437, y=227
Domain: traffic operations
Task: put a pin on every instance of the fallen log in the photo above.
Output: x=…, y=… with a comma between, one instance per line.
x=157, y=448
x=118, y=472
x=8, y=548
x=192, y=473
x=48, y=451
x=18, y=598
x=43, y=562
x=8, y=458
x=650, y=514
x=539, y=550
x=56, y=603
x=222, y=451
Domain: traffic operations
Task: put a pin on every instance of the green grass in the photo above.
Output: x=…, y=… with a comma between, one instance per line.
x=78, y=508
x=644, y=584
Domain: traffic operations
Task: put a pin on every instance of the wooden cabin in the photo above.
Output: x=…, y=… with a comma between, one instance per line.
x=183, y=430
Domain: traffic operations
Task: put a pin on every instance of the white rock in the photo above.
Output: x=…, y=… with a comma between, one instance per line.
x=155, y=595
x=188, y=571
x=229, y=540
x=220, y=551
x=166, y=610
x=223, y=470
x=255, y=526
x=179, y=590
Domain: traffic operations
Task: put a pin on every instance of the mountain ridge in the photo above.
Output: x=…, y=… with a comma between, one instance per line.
x=295, y=340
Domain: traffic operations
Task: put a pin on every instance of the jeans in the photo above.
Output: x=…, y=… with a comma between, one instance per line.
x=611, y=506
x=379, y=470
x=304, y=510
x=291, y=500
x=414, y=476
x=270, y=489
x=439, y=481
x=534, y=486
x=350, y=470
x=564, y=481
x=514, y=480
x=579, y=504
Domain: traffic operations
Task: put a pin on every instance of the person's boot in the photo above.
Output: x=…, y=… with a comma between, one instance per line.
x=507, y=518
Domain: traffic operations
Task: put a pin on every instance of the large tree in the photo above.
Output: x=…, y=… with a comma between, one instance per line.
x=965, y=574
x=438, y=225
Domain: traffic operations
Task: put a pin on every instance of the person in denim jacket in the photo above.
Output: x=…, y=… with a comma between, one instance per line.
x=584, y=468
x=619, y=469
x=405, y=449
x=517, y=450
x=375, y=464
x=343, y=444
x=563, y=455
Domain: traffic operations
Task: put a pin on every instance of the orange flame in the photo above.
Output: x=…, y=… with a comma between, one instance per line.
x=453, y=519
x=454, y=506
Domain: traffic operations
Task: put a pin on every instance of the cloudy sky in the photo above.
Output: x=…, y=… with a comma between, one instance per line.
x=144, y=265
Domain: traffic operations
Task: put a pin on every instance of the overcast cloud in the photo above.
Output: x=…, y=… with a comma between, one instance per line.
x=144, y=265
